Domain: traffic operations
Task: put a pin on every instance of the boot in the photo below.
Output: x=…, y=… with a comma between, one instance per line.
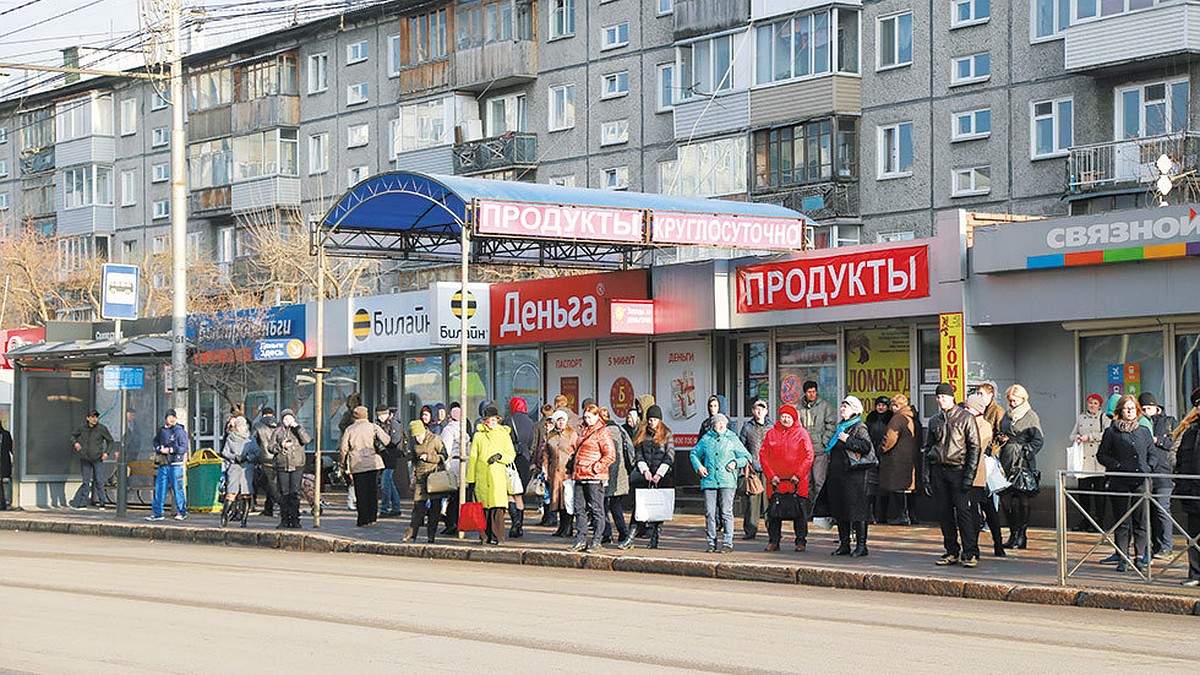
x=1021, y=542
x=860, y=540
x=843, y=529
x=564, y=525
x=1012, y=538
x=653, y=529
x=518, y=528
x=512, y=517
x=549, y=517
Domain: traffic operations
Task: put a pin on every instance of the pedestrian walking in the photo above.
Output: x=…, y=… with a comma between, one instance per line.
x=787, y=457
x=593, y=456
x=1188, y=464
x=1087, y=432
x=560, y=445
x=91, y=442
x=389, y=495
x=1020, y=437
x=851, y=455
x=240, y=452
x=898, y=461
x=6, y=463
x=170, y=456
x=617, y=486
x=976, y=404
x=357, y=453
x=752, y=434
x=523, y=431
x=288, y=442
x=953, y=454
x=718, y=458
x=268, y=481
x=428, y=455
x=452, y=442
x=654, y=458
x=491, y=452
x=1126, y=447
x=819, y=420
x=1162, y=461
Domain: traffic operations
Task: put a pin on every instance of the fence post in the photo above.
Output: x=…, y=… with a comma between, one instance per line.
x=1060, y=518
x=1147, y=495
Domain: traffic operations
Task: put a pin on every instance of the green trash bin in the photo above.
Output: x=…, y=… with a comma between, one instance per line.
x=204, y=481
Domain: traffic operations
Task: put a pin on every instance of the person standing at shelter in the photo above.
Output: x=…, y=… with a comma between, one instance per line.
x=976, y=404
x=752, y=435
x=1162, y=461
x=1089, y=429
x=428, y=455
x=6, y=463
x=717, y=458
x=819, y=420
x=1126, y=447
x=787, y=457
x=847, y=484
x=491, y=452
x=240, y=452
x=266, y=478
x=898, y=458
x=389, y=496
x=593, y=456
x=617, y=486
x=654, y=458
x=170, y=455
x=357, y=451
x=523, y=432
x=452, y=442
x=560, y=445
x=1188, y=464
x=91, y=442
x=954, y=454
x=288, y=443
x=1020, y=437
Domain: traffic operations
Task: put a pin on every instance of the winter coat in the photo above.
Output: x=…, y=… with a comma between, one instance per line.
x=435, y=458
x=240, y=453
x=1125, y=451
x=994, y=414
x=96, y=441
x=6, y=453
x=848, y=488
x=716, y=452
x=357, y=447
x=175, y=440
x=558, y=451
x=486, y=471
x=618, y=471
x=1187, y=462
x=262, y=431
x=820, y=421
x=751, y=436
x=1092, y=428
x=877, y=426
x=1024, y=440
x=287, y=445
x=451, y=440
x=390, y=452
x=722, y=408
x=593, y=453
x=898, y=454
x=985, y=441
x=1162, y=453
x=954, y=442
x=787, y=452
x=522, y=432
x=657, y=459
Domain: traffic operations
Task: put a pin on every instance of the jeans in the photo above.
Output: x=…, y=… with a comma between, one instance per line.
x=721, y=498
x=389, y=496
x=614, y=514
x=169, y=477
x=589, y=508
x=92, y=471
x=956, y=511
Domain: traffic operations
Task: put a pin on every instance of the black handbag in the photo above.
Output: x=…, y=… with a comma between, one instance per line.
x=1025, y=481
x=862, y=462
x=784, y=506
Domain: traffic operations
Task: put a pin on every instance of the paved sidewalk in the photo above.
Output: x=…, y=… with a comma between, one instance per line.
x=901, y=558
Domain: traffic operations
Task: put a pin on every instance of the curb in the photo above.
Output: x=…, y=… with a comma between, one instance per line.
x=780, y=574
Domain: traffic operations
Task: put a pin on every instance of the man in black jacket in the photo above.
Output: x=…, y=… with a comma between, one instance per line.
x=6, y=457
x=91, y=442
x=522, y=431
x=389, y=497
x=752, y=434
x=1162, y=460
x=953, y=454
x=266, y=478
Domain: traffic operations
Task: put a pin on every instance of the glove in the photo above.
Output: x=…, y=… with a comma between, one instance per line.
x=843, y=436
x=494, y=458
x=470, y=492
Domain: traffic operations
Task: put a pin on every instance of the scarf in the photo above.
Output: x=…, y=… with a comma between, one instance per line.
x=1019, y=411
x=840, y=429
x=1126, y=426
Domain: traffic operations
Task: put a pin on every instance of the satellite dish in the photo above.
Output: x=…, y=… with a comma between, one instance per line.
x=1164, y=164
x=1164, y=185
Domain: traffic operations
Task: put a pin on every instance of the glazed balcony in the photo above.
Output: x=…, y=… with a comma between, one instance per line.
x=1133, y=40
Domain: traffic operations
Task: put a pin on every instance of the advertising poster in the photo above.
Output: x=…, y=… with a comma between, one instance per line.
x=877, y=363
x=624, y=375
x=384, y=323
x=446, y=309
x=803, y=361
x=950, y=343
x=570, y=373
x=683, y=379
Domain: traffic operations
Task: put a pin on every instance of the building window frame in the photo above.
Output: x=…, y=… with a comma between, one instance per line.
x=357, y=174
x=160, y=137
x=971, y=125
x=964, y=13
x=358, y=135
x=665, y=76
x=665, y=7
x=890, y=148
x=561, y=111
x=614, y=132
x=160, y=173
x=318, y=153
x=1174, y=108
x=318, y=73
x=615, y=85
x=1062, y=132
x=970, y=69
x=615, y=36
x=1059, y=19
x=896, y=24
x=358, y=93
x=161, y=209
x=129, y=116
x=357, y=52
x=978, y=181
x=615, y=178
x=129, y=187
x=562, y=19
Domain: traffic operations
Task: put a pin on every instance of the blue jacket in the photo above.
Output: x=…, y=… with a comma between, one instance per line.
x=715, y=452
x=175, y=439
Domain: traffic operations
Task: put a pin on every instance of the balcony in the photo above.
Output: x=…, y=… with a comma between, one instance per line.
x=829, y=200
x=510, y=151
x=436, y=159
x=701, y=17
x=496, y=65
x=86, y=150
x=803, y=99
x=98, y=219
x=702, y=116
x=265, y=193
x=425, y=77
x=217, y=122
x=1120, y=42
x=211, y=201
x=266, y=113
x=1114, y=165
x=37, y=160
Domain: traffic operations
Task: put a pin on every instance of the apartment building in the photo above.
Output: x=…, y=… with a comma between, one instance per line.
x=1035, y=107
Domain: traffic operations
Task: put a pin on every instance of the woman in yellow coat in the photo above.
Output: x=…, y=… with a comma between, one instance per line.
x=491, y=451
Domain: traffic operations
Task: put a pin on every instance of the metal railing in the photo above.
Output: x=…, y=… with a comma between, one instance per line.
x=513, y=149
x=1129, y=161
x=1142, y=505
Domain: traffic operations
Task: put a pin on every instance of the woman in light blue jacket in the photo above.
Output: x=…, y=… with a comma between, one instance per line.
x=717, y=458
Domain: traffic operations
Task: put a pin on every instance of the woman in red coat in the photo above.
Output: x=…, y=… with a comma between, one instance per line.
x=787, y=457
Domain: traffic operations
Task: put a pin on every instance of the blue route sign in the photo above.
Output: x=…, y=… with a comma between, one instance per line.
x=118, y=378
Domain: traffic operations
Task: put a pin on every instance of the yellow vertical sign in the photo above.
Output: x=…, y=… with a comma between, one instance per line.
x=950, y=339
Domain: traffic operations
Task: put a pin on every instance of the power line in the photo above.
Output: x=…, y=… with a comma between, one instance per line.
x=13, y=9
x=47, y=20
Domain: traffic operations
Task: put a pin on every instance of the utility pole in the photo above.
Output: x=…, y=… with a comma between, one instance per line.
x=179, y=366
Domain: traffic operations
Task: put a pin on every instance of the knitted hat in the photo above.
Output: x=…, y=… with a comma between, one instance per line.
x=517, y=405
x=789, y=409
x=1096, y=397
x=883, y=399
x=416, y=427
x=360, y=412
x=654, y=412
x=944, y=388
x=491, y=411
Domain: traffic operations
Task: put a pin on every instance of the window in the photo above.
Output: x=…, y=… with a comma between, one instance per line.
x=357, y=93
x=803, y=47
x=895, y=41
x=160, y=173
x=1091, y=9
x=562, y=107
x=3, y=201
x=706, y=66
x=1052, y=128
x=895, y=150
x=971, y=125
x=269, y=77
x=666, y=86
x=318, y=73
x=885, y=237
x=356, y=52
x=562, y=18
x=210, y=89
x=614, y=132
x=129, y=251
x=425, y=125
x=38, y=195
x=318, y=153
x=3, y=168
x=225, y=238
x=971, y=69
x=87, y=186
x=128, y=116
x=158, y=100
x=1152, y=109
x=159, y=244
x=666, y=7
x=1050, y=18
x=426, y=37
x=356, y=174
x=490, y=22
x=805, y=153
x=160, y=136
x=210, y=163
x=706, y=169
x=616, y=36
x=970, y=12
x=84, y=117
x=393, y=56
x=129, y=187
x=505, y=114
x=616, y=84
x=3, y=135
x=616, y=178
x=265, y=153
x=563, y=181
x=976, y=180
x=162, y=209
x=76, y=252
x=195, y=245
x=358, y=135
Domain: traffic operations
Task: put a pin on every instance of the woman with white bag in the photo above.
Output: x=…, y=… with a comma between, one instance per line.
x=654, y=457
x=1085, y=441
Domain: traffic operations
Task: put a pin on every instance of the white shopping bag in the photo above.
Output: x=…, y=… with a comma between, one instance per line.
x=654, y=505
x=568, y=496
x=823, y=522
x=1075, y=457
x=996, y=480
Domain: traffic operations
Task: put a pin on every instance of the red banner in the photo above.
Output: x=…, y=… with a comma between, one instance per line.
x=18, y=337
x=553, y=221
x=830, y=280
x=563, y=308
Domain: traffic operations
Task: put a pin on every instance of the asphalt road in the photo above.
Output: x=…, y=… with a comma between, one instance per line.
x=92, y=605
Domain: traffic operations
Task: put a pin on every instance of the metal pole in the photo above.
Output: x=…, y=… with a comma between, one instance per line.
x=123, y=457
x=1147, y=496
x=1060, y=519
x=463, y=448
x=179, y=366
x=319, y=382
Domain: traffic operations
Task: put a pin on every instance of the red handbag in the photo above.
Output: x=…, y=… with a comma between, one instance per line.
x=470, y=517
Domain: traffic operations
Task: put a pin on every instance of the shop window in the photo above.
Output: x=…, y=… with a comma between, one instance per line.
x=1127, y=363
x=424, y=384
x=799, y=361
x=1187, y=357
x=298, y=390
x=518, y=373
x=929, y=363
x=756, y=367
x=478, y=377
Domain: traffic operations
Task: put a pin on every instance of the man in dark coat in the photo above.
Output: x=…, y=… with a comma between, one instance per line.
x=522, y=430
x=6, y=458
x=752, y=434
x=389, y=498
x=266, y=478
x=877, y=424
x=91, y=442
x=954, y=454
x=1162, y=460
